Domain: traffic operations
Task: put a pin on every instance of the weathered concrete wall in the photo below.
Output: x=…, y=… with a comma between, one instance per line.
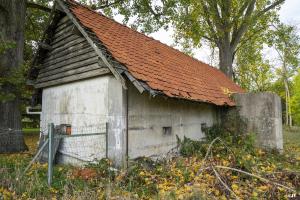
x=92, y=102
x=261, y=114
x=117, y=115
x=84, y=105
x=87, y=105
x=148, y=116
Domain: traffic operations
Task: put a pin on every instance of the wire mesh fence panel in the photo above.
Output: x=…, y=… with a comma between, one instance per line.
x=84, y=144
x=76, y=145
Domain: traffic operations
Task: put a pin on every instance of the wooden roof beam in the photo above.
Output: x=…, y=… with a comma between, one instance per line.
x=93, y=45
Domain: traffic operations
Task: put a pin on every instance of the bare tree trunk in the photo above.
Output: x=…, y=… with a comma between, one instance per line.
x=12, y=20
x=226, y=59
x=289, y=105
x=286, y=108
x=288, y=116
x=287, y=96
x=290, y=110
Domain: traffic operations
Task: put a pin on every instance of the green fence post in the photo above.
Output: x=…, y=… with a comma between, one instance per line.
x=50, y=152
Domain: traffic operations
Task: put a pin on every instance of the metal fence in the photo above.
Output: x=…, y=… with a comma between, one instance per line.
x=72, y=145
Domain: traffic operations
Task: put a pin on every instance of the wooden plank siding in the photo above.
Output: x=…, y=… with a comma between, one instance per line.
x=70, y=59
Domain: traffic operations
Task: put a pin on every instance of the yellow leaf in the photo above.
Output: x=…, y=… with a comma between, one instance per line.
x=235, y=186
x=142, y=173
x=262, y=188
x=254, y=194
x=225, y=162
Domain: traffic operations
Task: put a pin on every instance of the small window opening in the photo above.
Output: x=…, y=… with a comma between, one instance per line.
x=203, y=127
x=167, y=130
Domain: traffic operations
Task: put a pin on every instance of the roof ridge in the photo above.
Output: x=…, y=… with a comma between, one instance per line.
x=79, y=4
x=144, y=35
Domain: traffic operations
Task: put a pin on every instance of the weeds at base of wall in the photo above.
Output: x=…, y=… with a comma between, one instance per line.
x=189, y=176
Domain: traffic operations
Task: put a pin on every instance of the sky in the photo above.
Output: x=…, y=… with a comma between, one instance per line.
x=289, y=13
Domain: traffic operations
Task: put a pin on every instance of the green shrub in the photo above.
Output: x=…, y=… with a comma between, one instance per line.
x=190, y=147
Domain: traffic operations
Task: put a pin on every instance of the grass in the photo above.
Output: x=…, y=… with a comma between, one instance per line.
x=291, y=138
x=31, y=130
x=170, y=179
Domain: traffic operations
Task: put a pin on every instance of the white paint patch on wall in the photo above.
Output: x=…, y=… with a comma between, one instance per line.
x=148, y=116
x=82, y=104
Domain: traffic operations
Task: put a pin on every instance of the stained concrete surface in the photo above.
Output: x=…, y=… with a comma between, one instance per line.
x=262, y=114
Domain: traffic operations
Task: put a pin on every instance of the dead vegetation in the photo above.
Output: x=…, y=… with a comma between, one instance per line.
x=226, y=167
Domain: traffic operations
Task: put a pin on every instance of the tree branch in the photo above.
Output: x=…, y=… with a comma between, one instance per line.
x=155, y=14
x=106, y=5
x=236, y=37
x=276, y=3
x=243, y=28
x=256, y=176
x=243, y=8
x=247, y=39
x=38, y=6
x=208, y=38
x=209, y=22
x=240, y=13
x=215, y=14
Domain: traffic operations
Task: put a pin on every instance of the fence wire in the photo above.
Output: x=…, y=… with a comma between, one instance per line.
x=85, y=144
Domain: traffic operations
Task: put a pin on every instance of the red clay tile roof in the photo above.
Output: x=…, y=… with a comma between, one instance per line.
x=160, y=66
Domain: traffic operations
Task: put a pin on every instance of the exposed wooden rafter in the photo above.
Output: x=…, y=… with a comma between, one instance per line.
x=93, y=45
x=45, y=46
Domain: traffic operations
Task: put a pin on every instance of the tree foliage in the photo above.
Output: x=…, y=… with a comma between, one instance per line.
x=35, y=25
x=223, y=23
x=16, y=77
x=252, y=71
x=286, y=42
x=295, y=100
